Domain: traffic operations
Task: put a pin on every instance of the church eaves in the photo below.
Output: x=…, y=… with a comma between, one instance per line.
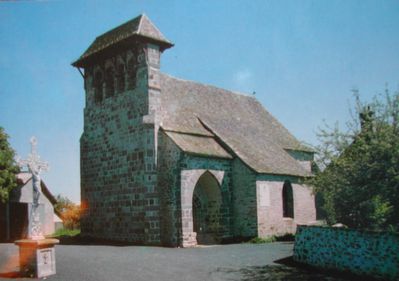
x=139, y=28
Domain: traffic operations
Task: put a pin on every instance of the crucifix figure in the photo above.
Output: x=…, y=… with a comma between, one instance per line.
x=35, y=166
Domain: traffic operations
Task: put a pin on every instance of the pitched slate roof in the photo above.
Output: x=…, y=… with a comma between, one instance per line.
x=139, y=27
x=238, y=121
x=199, y=145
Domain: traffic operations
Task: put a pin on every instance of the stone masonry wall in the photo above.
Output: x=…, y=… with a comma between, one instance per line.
x=192, y=168
x=361, y=252
x=270, y=206
x=270, y=209
x=118, y=147
x=244, y=200
x=178, y=176
x=304, y=204
x=169, y=191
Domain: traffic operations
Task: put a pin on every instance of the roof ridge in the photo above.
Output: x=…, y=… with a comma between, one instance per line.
x=144, y=16
x=118, y=26
x=140, y=22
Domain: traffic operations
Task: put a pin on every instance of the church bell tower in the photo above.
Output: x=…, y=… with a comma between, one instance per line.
x=119, y=142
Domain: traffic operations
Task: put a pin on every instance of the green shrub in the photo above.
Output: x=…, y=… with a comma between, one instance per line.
x=259, y=240
x=66, y=232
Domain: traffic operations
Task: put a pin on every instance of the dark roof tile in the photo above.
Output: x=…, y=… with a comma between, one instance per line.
x=199, y=145
x=238, y=120
x=140, y=26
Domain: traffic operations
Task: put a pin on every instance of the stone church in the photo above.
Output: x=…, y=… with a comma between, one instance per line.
x=167, y=161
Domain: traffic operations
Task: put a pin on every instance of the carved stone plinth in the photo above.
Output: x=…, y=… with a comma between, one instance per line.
x=37, y=257
x=189, y=239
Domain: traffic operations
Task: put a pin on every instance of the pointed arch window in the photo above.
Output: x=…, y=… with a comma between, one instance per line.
x=288, y=200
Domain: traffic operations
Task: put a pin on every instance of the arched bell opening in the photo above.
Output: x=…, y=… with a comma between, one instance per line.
x=120, y=78
x=98, y=86
x=109, y=81
x=206, y=209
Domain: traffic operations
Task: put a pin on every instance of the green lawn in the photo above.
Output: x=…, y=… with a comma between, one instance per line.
x=65, y=232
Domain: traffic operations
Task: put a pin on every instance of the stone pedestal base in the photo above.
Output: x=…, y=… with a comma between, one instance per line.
x=37, y=257
x=189, y=240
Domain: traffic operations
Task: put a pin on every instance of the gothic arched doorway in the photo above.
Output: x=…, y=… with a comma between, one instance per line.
x=207, y=200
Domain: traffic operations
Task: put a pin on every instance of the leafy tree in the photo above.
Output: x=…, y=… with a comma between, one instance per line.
x=63, y=203
x=359, y=177
x=8, y=167
x=69, y=211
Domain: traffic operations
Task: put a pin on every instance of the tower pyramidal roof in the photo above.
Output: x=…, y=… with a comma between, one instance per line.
x=140, y=27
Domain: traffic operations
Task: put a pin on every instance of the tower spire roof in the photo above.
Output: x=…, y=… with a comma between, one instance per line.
x=139, y=27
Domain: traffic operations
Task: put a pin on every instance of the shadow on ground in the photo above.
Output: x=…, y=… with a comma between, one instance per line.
x=79, y=240
x=289, y=270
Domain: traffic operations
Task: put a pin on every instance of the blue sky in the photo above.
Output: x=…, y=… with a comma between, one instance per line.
x=302, y=58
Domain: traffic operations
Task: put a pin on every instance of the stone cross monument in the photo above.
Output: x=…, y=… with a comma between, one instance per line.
x=36, y=254
x=35, y=166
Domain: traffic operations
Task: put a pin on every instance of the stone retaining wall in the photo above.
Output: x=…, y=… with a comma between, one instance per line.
x=360, y=252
